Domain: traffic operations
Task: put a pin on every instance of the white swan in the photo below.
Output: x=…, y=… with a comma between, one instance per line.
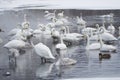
x=105, y=47
x=81, y=22
x=22, y=35
x=105, y=36
x=61, y=50
x=38, y=30
x=108, y=15
x=61, y=15
x=43, y=51
x=103, y=26
x=67, y=36
x=16, y=44
x=18, y=36
x=93, y=46
x=15, y=30
x=87, y=30
x=57, y=22
x=26, y=24
x=111, y=28
x=99, y=45
x=49, y=16
x=61, y=45
x=42, y=31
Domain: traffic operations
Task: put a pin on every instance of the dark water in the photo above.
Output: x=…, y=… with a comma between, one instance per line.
x=29, y=67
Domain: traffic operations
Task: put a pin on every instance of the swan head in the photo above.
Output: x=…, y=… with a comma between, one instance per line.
x=97, y=25
x=25, y=25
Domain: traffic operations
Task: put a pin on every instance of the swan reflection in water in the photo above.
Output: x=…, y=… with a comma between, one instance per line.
x=44, y=70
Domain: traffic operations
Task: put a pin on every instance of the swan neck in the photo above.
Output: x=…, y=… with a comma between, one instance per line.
x=31, y=42
x=25, y=17
x=61, y=39
x=101, y=42
x=88, y=41
x=67, y=29
x=91, y=33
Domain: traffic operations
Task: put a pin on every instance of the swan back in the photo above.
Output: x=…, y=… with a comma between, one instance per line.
x=15, y=44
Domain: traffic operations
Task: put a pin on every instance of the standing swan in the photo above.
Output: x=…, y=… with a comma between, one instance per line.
x=43, y=51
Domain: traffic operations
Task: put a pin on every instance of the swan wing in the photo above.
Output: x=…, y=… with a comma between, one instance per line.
x=108, y=37
x=13, y=31
x=15, y=44
x=106, y=47
x=94, y=46
x=61, y=46
x=43, y=51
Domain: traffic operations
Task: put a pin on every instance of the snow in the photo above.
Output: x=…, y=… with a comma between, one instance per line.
x=59, y=4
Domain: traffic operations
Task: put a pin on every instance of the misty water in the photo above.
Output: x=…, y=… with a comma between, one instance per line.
x=28, y=65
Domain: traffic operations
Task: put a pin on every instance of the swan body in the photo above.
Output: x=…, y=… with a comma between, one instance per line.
x=105, y=36
x=57, y=22
x=66, y=62
x=18, y=36
x=43, y=51
x=16, y=44
x=44, y=70
x=103, y=27
x=108, y=15
x=50, y=25
x=107, y=48
x=65, y=21
x=111, y=28
x=94, y=46
x=87, y=30
x=60, y=15
x=62, y=61
x=22, y=35
x=71, y=36
x=37, y=31
x=99, y=45
x=80, y=21
x=14, y=31
x=61, y=46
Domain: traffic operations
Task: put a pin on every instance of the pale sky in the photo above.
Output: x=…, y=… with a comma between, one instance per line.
x=62, y=4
